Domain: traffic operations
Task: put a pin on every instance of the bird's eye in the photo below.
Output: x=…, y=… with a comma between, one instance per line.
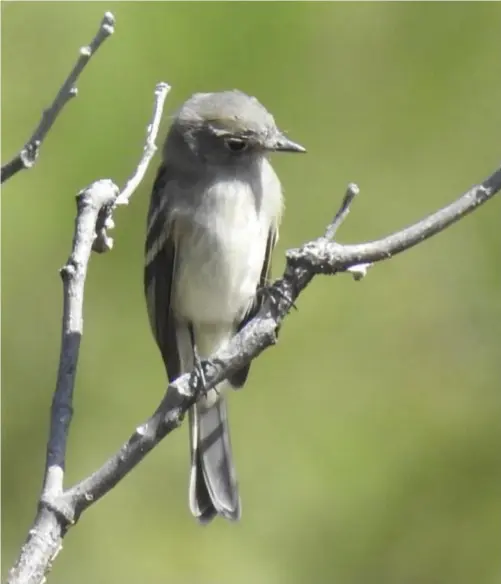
x=235, y=144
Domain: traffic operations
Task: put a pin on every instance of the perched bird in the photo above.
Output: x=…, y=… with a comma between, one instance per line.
x=212, y=225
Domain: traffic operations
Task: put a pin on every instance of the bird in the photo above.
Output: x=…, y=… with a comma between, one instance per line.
x=212, y=224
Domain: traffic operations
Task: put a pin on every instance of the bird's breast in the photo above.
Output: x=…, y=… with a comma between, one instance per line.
x=220, y=251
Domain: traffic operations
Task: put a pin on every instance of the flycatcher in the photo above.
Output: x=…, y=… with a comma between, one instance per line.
x=212, y=225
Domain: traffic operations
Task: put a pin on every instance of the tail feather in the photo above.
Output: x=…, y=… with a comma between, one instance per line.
x=213, y=483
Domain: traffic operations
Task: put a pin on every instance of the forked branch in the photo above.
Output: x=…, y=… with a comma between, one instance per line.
x=95, y=205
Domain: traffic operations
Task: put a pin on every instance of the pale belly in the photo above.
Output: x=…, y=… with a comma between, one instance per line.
x=219, y=261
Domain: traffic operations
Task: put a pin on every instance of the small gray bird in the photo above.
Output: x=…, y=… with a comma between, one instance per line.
x=212, y=226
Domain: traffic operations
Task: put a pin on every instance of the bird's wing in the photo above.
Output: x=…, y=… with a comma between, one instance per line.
x=160, y=255
x=270, y=246
x=238, y=378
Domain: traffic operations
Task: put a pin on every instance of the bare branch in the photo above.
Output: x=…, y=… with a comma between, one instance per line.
x=319, y=256
x=103, y=241
x=161, y=91
x=351, y=192
x=29, y=154
x=53, y=517
x=322, y=257
x=89, y=202
x=94, y=205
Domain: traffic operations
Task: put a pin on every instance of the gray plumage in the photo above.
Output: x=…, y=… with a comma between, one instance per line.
x=212, y=225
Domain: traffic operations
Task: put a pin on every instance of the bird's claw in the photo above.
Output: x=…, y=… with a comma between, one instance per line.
x=274, y=293
x=198, y=381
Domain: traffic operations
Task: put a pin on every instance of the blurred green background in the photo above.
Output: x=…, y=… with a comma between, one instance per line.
x=368, y=441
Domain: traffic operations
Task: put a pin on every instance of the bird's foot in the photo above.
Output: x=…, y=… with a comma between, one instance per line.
x=198, y=381
x=274, y=293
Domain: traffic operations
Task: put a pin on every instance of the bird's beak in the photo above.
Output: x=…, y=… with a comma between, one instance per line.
x=280, y=143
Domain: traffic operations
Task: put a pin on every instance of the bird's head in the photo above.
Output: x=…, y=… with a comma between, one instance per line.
x=228, y=128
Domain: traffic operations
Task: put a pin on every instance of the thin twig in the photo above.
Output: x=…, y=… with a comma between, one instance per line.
x=29, y=154
x=360, y=271
x=161, y=91
x=351, y=192
x=103, y=241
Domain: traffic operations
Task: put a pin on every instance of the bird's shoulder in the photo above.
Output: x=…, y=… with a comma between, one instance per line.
x=170, y=177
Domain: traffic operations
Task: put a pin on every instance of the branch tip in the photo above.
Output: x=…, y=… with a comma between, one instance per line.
x=351, y=192
x=108, y=20
x=161, y=88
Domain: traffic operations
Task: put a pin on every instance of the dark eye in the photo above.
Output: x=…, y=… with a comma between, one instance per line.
x=235, y=144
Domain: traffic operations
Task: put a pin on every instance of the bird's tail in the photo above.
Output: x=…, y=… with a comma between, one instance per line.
x=213, y=482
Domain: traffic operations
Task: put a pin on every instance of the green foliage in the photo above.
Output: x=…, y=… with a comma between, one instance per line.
x=367, y=441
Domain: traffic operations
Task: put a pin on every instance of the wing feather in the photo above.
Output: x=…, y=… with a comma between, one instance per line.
x=238, y=378
x=160, y=258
